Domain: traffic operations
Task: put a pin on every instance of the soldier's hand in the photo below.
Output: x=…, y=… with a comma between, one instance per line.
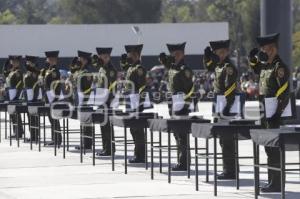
x=253, y=53
x=208, y=52
x=95, y=58
x=7, y=64
x=215, y=58
x=74, y=61
x=123, y=58
x=162, y=57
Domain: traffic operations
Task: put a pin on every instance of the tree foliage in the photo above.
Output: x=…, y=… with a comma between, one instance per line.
x=109, y=11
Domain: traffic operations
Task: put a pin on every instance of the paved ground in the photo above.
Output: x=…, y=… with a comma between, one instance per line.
x=26, y=174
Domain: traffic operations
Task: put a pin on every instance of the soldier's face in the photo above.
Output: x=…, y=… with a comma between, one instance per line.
x=52, y=61
x=83, y=61
x=134, y=56
x=178, y=55
x=270, y=50
x=105, y=58
x=222, y=53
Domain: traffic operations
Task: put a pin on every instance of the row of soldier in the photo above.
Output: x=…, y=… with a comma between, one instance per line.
x=264, y=60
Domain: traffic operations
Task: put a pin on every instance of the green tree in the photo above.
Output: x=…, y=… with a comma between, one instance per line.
x=242, y=15
x=7, y=17
x=296, y=49
x=35, y=12
x=243, y=18
x=110, y=11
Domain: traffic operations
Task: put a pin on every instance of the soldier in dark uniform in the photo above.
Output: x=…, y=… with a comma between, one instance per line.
x=84, y=81
x=52, y=82
x=31, y=82
x=180, y=81
x=71, y=86
x=273, y=82
x=15, y=81
x=6, y=68
x=107, y=78
x=216, y=59
x=136, y=83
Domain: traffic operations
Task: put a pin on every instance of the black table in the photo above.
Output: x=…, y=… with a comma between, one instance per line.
x=89, y=116
x=3, y=108
x=63, y=111
x=239, y=129
x=286, y=139
x=37, y=111
x=129, y=120
x=14, y=108
x=180, y=123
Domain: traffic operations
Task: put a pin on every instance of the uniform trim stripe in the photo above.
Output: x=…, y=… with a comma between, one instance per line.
x=142, y=88
x=253, y=63
x=230, y=90
x=56, y=83
x=282, y=89
x=209, y=62
x=36, y=83
x=19, y=84
x=187, y=96
x=87, y=91
x=112, y=85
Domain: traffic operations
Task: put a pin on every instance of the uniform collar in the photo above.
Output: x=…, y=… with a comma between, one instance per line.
x=53, y=66
x=276, y=59
x=179, y=65
x=137, y=63
x=108, y=65
x=226, y=60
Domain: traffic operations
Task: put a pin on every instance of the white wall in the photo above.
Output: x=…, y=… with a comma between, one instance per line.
x=35, y=39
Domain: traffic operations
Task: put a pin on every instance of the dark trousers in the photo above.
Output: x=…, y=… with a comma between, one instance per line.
x=56, y=126
x=273, y=155
x=33, y=124
x=139, y=142
x=106, y=137
x=87, y=131
x=228, y=146
x=17, y=124
x=181, y=137
x=181, y=142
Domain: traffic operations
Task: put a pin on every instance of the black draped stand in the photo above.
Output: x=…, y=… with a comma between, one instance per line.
x=286, y=139
x=238, y=129
x=63, y=111
x=13, y=109
x=38, y=110
x=179, y=123
x=88, y=116
x=3, y=108
x=129, y=120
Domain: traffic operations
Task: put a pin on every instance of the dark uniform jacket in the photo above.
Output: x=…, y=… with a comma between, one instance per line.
x=136, y=77
x=225, y=82
x=85, y=81
x=273, y=82
x=107, y=78
x=52, y=82
x=180, y=80
x=31, y=81
x=15, y=81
